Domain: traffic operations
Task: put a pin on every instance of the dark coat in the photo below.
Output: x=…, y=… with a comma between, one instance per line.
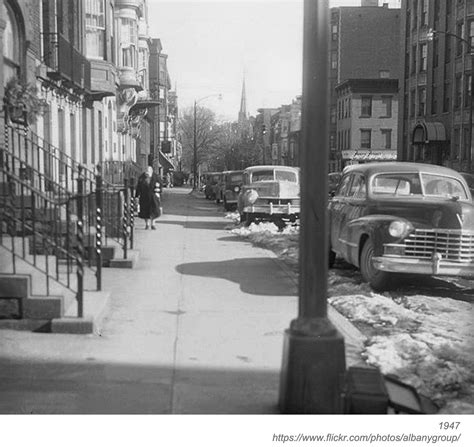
x=147, y=190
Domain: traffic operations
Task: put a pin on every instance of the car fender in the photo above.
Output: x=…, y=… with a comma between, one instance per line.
x=375, y=227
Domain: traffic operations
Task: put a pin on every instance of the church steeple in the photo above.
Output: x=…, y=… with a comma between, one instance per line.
x=243, y=122
x=243, y=105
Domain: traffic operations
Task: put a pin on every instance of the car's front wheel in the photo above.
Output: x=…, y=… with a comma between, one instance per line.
x=378, y=280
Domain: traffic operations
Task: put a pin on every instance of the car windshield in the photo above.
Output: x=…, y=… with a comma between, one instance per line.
x=435, y=185
x=235, y=178
x=415, y=184
x=271, y=175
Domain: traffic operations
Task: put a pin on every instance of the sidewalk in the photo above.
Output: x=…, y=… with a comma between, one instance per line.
x=196, y=328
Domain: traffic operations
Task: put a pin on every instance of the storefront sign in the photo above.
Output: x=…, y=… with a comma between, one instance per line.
x=370, y=155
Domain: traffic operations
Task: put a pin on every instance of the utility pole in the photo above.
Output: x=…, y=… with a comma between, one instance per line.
x=313, y=363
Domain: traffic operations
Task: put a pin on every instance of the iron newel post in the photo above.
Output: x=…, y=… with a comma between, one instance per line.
x=313, y=363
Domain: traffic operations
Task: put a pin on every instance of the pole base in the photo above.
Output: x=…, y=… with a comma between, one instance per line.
x=312, y=371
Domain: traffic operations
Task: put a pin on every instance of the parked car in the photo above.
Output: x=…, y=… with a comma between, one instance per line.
x=334, y=178
x=211, y=179
x=397, y=218
x=231, y=184
x=270, y=193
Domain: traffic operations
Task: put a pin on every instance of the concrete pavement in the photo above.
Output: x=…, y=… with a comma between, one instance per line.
x=195, y=328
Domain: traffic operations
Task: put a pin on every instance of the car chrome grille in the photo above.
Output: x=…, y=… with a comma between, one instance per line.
x=452, y=245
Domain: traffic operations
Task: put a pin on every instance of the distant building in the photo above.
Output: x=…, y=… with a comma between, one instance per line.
x=435, y=124
x=367, y=118
x=361, y=47
x=263, y=133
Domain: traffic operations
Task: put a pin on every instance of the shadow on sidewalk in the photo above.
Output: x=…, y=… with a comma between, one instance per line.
x=254, y=275
x=197, y=225
x=91, y=387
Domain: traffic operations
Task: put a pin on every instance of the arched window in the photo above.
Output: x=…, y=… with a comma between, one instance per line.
x=11, y=44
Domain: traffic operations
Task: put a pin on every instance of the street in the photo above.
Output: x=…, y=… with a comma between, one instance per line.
x=196, y=327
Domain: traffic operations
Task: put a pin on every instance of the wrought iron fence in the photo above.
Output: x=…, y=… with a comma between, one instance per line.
x=58, y=227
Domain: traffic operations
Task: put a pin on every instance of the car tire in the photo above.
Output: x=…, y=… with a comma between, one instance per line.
x=249, y=219
x=280, y=223
x=226, y=205
x=378, y=280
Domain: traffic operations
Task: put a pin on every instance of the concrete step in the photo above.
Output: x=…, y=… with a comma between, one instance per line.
x=14, y=286
x=95, y=307
x=17, y=301
x=43, y=307
x=129, y=263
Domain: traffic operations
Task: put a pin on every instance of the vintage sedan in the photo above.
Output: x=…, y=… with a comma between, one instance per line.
x=397, y=218
x=231, y=184
x=270, y=193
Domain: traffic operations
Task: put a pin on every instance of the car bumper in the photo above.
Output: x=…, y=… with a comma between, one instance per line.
x=284, y=210
x=433, y=266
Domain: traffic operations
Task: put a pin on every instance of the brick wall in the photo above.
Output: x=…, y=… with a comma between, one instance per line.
x=369, y=42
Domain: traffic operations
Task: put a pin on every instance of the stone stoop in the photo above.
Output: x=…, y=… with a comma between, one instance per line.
x=129, y=263
x=23, y=311
x=108, y=253
x=96, y=305
x=19, y=310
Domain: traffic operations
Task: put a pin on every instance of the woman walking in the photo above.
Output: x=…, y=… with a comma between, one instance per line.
x=148, y=191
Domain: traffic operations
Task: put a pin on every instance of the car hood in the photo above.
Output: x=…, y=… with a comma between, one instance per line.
x=430, y=213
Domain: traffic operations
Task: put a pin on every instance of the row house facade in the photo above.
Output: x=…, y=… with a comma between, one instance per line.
x=276, y=134
x=165, y=149
x=89, y=61
x=437, y=42
x=367, y=119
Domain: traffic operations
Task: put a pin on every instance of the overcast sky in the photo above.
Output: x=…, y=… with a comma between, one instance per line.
x=211, y=44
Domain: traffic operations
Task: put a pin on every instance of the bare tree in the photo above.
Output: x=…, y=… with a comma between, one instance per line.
x=207, y=136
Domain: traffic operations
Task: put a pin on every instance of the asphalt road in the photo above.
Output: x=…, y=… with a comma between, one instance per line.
x=195, y=328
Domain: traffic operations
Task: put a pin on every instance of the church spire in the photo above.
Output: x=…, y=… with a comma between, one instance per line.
x=243, y=105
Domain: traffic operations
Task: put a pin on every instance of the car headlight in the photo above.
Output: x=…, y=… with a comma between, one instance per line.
x=236, y=189
x=398, y=228
x=251, y=196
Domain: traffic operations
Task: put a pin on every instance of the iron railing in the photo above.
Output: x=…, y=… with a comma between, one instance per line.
x=60, y=172
x=58, y=227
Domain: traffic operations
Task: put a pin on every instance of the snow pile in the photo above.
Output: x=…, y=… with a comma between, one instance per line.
x=426, y=341
x=283, y=243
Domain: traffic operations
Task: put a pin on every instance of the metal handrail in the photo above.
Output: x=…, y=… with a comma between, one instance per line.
x=34, y=150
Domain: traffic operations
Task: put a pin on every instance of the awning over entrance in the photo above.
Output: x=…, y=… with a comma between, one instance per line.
x=427, y=132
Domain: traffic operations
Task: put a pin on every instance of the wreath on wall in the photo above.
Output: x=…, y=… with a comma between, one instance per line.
x=22, y=102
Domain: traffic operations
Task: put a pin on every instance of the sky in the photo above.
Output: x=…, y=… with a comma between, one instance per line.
x=212, y=45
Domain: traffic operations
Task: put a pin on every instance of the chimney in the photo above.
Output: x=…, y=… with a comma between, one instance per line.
x=364, y=3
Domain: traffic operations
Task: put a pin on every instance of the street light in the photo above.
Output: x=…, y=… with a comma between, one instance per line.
x=196, y=102
x=430, y=35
